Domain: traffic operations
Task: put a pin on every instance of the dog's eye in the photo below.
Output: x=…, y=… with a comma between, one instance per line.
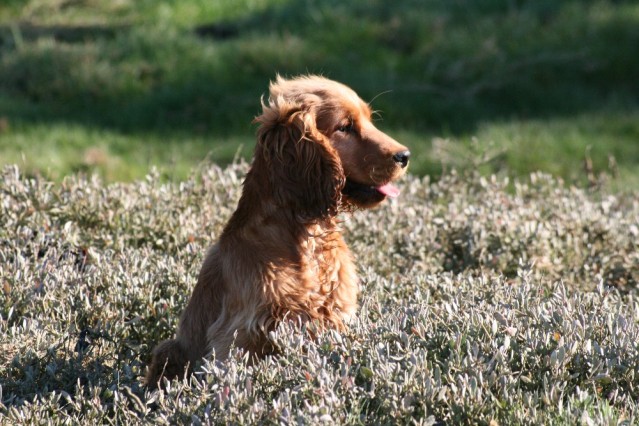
x=347, y=127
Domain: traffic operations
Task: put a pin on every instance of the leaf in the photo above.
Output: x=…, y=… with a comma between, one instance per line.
x=366, y=372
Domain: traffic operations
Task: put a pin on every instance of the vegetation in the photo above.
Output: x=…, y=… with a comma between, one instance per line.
x=483, y=302
x=116, y=87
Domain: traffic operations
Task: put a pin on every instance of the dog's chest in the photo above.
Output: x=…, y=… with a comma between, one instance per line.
x=322, y=261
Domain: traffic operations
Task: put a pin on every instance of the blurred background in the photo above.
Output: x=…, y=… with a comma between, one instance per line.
x=507, y=86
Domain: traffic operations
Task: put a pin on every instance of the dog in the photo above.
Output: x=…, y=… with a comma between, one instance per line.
x=281, y=256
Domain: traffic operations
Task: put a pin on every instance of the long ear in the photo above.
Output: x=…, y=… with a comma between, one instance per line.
x=303, y=169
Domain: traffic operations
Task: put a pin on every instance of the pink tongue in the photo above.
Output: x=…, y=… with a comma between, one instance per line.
x=389, y=190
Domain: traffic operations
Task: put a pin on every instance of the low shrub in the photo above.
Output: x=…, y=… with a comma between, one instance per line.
x=483, y=302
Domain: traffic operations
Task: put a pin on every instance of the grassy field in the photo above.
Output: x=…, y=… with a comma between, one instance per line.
x=116, y=87
x=483, y=302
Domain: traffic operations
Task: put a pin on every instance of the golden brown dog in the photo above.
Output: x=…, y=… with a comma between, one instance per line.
x=281, y=256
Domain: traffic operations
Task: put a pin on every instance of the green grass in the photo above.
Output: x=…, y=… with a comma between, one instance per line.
x=547, y=82
x=116, y=156
x=483, y=300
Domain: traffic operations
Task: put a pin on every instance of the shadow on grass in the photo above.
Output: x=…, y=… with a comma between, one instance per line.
x=65, y=372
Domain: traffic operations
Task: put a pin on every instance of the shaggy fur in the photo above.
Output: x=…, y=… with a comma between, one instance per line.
x=281, y=256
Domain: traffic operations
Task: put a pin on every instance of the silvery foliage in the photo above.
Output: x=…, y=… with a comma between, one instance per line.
x=483, y=301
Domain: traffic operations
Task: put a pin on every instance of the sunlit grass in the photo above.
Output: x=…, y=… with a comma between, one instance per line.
x=50, y=150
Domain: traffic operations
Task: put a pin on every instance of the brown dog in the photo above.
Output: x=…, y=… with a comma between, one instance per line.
x=282, y=255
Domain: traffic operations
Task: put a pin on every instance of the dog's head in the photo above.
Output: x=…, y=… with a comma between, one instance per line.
x=323, y=149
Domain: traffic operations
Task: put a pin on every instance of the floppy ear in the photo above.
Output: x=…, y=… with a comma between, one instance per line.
x=303, y=169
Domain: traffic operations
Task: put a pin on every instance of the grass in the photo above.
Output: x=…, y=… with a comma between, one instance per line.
x=484, y=301
x=144, y=83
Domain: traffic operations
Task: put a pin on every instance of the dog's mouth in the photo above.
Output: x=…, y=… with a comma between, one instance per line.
x=366, y=194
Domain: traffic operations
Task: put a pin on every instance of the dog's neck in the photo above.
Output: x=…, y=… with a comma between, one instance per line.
x=257, y=213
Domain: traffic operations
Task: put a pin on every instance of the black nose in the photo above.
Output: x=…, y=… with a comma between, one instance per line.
x=401, y=158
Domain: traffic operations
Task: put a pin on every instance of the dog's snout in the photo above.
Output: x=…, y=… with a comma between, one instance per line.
x=401, y=158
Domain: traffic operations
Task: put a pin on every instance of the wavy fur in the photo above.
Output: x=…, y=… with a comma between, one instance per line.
x=281, y=255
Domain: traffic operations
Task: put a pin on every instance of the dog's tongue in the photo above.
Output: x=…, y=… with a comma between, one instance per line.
x=389, y=190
